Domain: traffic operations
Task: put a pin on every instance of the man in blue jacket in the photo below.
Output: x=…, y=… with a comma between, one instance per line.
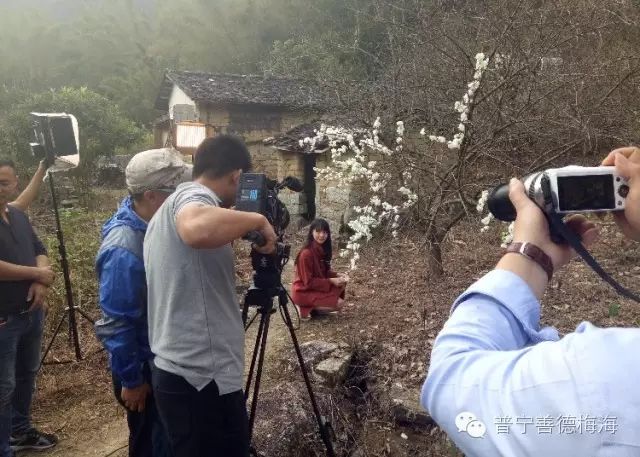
x=151, y=177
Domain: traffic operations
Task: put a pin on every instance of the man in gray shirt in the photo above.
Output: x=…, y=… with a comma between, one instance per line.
x=195, y=327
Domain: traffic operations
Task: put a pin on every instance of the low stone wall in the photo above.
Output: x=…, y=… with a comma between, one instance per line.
x=335, y=202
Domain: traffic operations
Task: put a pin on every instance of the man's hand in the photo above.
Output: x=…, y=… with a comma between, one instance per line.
x=627, y=163
x=531, y=225
x=270, y=238
x=135, y=398
x=45, y=275
x=38, y=293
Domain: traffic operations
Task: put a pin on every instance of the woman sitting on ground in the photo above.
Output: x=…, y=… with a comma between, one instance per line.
x=316, y=287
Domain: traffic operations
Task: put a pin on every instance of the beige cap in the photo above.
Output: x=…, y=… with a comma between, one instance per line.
x=156, y=169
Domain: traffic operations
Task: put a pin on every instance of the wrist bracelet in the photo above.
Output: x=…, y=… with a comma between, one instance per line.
x=533, y=252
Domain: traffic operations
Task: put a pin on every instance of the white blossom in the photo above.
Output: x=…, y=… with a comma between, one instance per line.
x=508, y=236
x=423, y=132
x=349, y=162
x=482, y=201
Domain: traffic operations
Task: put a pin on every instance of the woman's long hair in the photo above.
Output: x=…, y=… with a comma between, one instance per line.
x=320, y=225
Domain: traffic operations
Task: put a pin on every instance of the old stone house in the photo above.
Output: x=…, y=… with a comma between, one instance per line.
x=271, y=114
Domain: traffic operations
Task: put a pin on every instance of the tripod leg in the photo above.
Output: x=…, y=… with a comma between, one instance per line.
x=254, y=357
x=73, y=334
x=324, y=433
x=46, y=352
x=263, y=345
x=85, y=315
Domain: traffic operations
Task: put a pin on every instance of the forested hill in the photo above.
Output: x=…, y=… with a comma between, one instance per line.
x=120, y=48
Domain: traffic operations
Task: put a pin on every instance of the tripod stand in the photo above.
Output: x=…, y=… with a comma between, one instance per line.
x=70, y=310
x=263, y=300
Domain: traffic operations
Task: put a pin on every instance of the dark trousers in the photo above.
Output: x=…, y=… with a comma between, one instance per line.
x=201, y=423
x=20, y=337
x=147, y=437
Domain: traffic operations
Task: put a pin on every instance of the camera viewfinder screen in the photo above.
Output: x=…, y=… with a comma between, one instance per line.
x=249, y=194
x=579, y=193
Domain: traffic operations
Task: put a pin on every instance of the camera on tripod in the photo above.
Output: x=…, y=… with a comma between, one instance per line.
x=564, y=191
x=259, y=194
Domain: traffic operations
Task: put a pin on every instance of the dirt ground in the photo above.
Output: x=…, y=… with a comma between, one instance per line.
x=394, y=312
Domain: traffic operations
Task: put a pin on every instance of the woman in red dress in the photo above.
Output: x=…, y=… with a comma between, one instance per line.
x=316, y=287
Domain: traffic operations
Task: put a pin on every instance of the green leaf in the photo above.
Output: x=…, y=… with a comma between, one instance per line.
x=614, y=310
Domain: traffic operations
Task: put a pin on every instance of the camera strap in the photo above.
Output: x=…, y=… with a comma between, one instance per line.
x=558, y=226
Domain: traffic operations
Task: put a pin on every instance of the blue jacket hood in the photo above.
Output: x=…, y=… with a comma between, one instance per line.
x=124, y=216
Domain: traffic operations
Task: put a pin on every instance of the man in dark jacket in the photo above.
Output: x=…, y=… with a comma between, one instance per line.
x=25, y=275
x=151, y=177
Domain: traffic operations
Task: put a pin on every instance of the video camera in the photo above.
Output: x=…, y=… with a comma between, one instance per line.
x=567, y=190
x=259, y=194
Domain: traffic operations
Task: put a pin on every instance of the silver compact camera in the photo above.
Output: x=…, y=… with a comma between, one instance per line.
x=571, y=189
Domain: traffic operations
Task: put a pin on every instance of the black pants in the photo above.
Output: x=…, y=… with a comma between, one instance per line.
x=147, y=437
x=201, y=423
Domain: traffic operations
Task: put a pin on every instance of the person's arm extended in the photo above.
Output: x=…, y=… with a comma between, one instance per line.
x=209, y=227
x=29, y=194
x=492, y=360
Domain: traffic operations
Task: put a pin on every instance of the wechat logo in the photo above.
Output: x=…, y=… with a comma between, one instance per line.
x=468, y=423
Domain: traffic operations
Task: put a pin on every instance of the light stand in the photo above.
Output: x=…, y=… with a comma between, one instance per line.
x=71, y=308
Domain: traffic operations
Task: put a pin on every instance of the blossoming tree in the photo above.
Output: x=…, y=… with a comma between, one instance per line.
x=447, y=123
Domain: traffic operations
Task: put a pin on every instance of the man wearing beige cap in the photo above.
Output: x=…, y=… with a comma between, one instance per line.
x=151, y=176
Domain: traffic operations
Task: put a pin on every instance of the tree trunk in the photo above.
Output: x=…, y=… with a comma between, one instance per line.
x=434, y=259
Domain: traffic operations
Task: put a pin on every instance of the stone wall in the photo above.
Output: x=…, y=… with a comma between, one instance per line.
x=292, y=164
x=254, y=125
x=334, y=202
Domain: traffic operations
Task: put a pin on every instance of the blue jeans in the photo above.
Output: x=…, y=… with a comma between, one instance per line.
x=20, y=339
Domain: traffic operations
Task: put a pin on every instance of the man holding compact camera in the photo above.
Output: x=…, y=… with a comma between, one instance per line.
x=500, y=385
x=195, y=326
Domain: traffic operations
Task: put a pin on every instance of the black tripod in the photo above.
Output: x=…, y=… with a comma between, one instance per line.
x=263, y=298
x=70, y=311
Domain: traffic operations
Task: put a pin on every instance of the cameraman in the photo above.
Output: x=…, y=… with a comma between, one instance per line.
x=530, y=392
x=195, y=326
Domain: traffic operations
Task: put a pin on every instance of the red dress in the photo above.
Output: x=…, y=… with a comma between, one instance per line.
x=311, y=286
